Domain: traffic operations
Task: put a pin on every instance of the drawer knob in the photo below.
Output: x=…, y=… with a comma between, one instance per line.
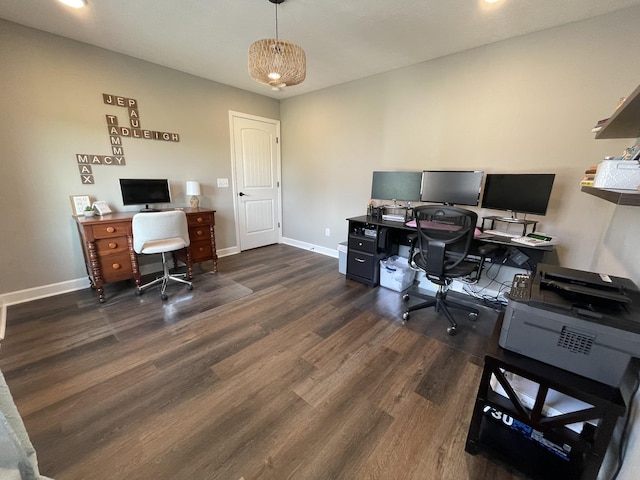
x=113, y=245
x=360, y=260
x=360, y=244
x=199, y=232
x=116, y=266
x=201, y=249
x=111, y=229
x=200, y=219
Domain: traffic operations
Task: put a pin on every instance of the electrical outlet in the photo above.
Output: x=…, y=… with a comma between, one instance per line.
x=223, y=182
x=327, y=232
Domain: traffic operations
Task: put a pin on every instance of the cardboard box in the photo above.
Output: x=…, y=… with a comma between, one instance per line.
x=618, y=174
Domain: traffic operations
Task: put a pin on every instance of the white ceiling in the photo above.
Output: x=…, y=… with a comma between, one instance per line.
x=344, y=39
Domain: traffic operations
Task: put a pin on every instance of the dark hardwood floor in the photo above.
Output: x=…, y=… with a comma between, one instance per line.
x=277, y=367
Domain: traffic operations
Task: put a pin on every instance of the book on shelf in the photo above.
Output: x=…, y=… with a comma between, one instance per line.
x=589, y=177
x=598, y=126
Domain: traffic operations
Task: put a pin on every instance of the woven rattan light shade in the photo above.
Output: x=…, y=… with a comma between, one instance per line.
x=277, y=62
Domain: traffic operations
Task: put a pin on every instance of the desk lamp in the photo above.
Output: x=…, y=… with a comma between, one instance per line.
x=193, y=189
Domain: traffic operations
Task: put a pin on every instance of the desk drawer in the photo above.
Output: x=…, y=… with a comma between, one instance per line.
x=116, y=267
x=201, y=250
x=362, y=265
x=363, y=244
x=115, y=229
x=194, y=219
x=200, y=232
x=112, y=246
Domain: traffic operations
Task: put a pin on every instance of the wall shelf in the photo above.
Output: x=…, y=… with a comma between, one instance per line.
x=619, y=197
x=625, y=121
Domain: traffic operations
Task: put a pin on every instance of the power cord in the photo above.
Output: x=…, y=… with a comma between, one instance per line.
x=496, y=302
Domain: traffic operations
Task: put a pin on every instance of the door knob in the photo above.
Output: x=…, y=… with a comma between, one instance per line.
x=242, y=194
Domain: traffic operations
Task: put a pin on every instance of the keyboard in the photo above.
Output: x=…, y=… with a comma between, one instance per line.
x=499, y=233
x=530, y=242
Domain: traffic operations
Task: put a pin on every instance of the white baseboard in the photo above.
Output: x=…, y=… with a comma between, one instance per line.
x=3, y=319
x=225, y=252
x=43, y=291
x=311, y=247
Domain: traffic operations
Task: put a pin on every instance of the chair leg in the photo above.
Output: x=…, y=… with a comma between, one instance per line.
x=442, y=304
x=453, y=326
x=165, y=279
x=460, y=306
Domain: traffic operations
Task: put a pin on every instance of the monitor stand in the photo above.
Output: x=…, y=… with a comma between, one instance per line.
x=148, y=209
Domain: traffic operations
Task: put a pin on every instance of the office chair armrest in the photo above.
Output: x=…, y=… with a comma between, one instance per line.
x=412, y=238
x=485, y=250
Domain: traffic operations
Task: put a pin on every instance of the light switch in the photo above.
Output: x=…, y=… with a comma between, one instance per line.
x=223, y=182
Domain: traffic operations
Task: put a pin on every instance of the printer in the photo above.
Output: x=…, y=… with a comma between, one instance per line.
x=584, y=322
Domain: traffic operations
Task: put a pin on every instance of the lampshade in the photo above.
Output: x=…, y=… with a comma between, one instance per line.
x=193, y=188
x=74, y=3
x=276, y=62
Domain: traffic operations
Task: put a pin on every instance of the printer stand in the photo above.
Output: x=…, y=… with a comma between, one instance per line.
x=506, y=428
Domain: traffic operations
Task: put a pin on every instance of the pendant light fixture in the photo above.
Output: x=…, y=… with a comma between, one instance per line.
x=276, y=62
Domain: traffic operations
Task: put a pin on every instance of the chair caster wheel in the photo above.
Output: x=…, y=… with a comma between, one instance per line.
x=473, y=317
x=164, y=296
x=138, y=292
x=405, y=297
x=189, y=287
x=406, y=316
x=452, y=331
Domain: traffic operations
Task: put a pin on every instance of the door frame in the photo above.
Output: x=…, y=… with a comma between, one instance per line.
x=234, y=188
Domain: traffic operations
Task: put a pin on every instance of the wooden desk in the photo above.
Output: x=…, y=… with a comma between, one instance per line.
x=107, y=245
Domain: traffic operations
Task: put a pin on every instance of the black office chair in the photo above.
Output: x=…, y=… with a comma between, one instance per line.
x=444, y=239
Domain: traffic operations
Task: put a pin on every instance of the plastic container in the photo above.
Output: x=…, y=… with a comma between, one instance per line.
x=617, y=174
x=396, y=274
x=342, y=258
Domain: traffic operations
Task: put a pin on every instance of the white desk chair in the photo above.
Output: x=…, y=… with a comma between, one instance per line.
x=161, y=232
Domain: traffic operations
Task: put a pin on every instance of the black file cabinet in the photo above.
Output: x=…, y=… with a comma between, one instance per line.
x=368, y=243
x=543, y=447
x=363, y=259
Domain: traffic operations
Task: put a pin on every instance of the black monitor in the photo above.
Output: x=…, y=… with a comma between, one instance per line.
x=144, y=191
x=403, y=186
x=451, y=187
x=518, y=192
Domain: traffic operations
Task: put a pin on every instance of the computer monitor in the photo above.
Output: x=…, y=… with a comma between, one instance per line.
x=451, y=187
x=144, y=191
x=518, y=192
x=403, y=186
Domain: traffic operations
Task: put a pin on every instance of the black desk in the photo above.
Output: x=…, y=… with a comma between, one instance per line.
x=540, y=446
x=372, y=239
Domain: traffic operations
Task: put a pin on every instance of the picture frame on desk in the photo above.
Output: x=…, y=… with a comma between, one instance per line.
x=79, y=203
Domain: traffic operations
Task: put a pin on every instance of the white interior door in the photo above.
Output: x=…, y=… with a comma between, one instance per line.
x=255, y=151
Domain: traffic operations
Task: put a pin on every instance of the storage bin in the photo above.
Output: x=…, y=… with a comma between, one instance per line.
x=396, y=274
x=342, y=258
x=617, y=174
